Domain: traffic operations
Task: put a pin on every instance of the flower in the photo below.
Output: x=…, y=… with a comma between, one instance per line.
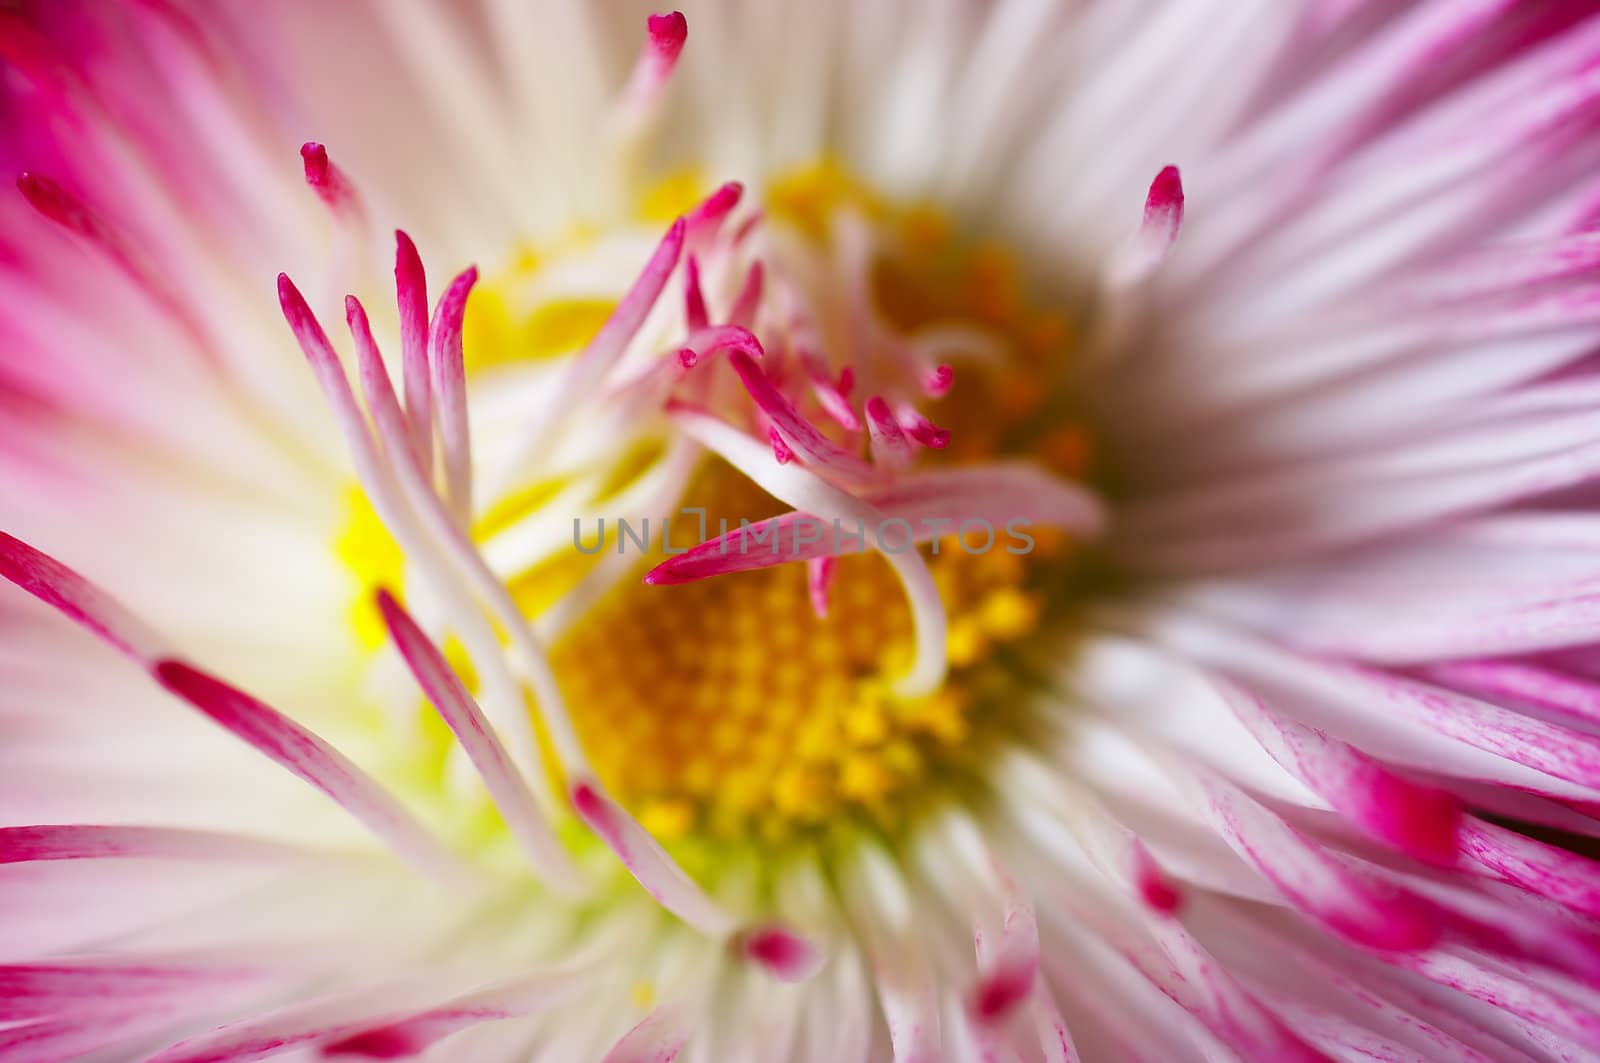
x=1237, y=698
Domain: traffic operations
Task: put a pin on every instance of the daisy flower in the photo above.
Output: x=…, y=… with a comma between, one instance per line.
x=1030, y=530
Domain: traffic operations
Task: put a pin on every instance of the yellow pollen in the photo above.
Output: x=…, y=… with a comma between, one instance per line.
x=373, y=559
x=727, y=708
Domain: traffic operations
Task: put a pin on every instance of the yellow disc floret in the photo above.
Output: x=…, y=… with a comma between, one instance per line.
x=729, y=707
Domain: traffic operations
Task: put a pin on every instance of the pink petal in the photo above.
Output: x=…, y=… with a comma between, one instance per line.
x=327, y=180
x=890, y=447
x=1562, y=693
x=619, y=330
x=921, y=429
x=449, y=380
x=29, y=991
x=799, y=434
x=644, y=858
x=1549, y=871
x=658, y=1038
x=780, y=450
x=63, y=208
x=1352, y=904
x=830, y=396
x=303, y=753
x=802, y=487
x=411, y=293
x=60, y=587
x=1511, y=992
x=504, y=783
x=694, y=310
x=324, y=362
x=69, y=1037
x=1421, y=821
x=82, y=841
x=788, y=956
x=745, y=304
x=1208, y=991
x=820, y=573
x=1163, y=216
x=1155, y=888
x=706, y=218
x=411, y=1035
x=664, y=40
x=377, y=387
x=1010, y=967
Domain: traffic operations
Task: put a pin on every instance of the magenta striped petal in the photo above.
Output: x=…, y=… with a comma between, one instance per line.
x=63, y=589
x=67, y=1039
x=788, y=956
x=59, y=205
x=328, y=181
x=1156, y=888
x=1569, y=696
x=411, y=294
x=1009, y=967
x=411, y=1035
x=1510, y=926
x=830, y=395
x=82, y=841
x=820, y=573
x=890, y=448
x=303, y=753
x=1560, y=875
x=507, y=787
x=799, y=434
x=1419, y=820
x=1158, y=232
x=273, y=1033
x=743, y=311
x=262, y=727
x=1214, y=996
x=664, y=39
x=379, y=390
x=694, y=299
x=77, y=987
x=707, y=216
x=449, y=381
x=625, y=321
x=647, y=862
x=1511, y=991
x=1351, y=904
x=658, y=1038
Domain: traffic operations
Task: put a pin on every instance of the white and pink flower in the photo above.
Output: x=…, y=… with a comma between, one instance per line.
x=1276, y=322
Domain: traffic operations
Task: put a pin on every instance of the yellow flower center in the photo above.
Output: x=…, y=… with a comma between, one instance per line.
x=727, y=709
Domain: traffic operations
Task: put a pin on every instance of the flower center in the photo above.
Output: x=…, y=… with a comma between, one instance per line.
x=731, y=707
x=750, y=690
